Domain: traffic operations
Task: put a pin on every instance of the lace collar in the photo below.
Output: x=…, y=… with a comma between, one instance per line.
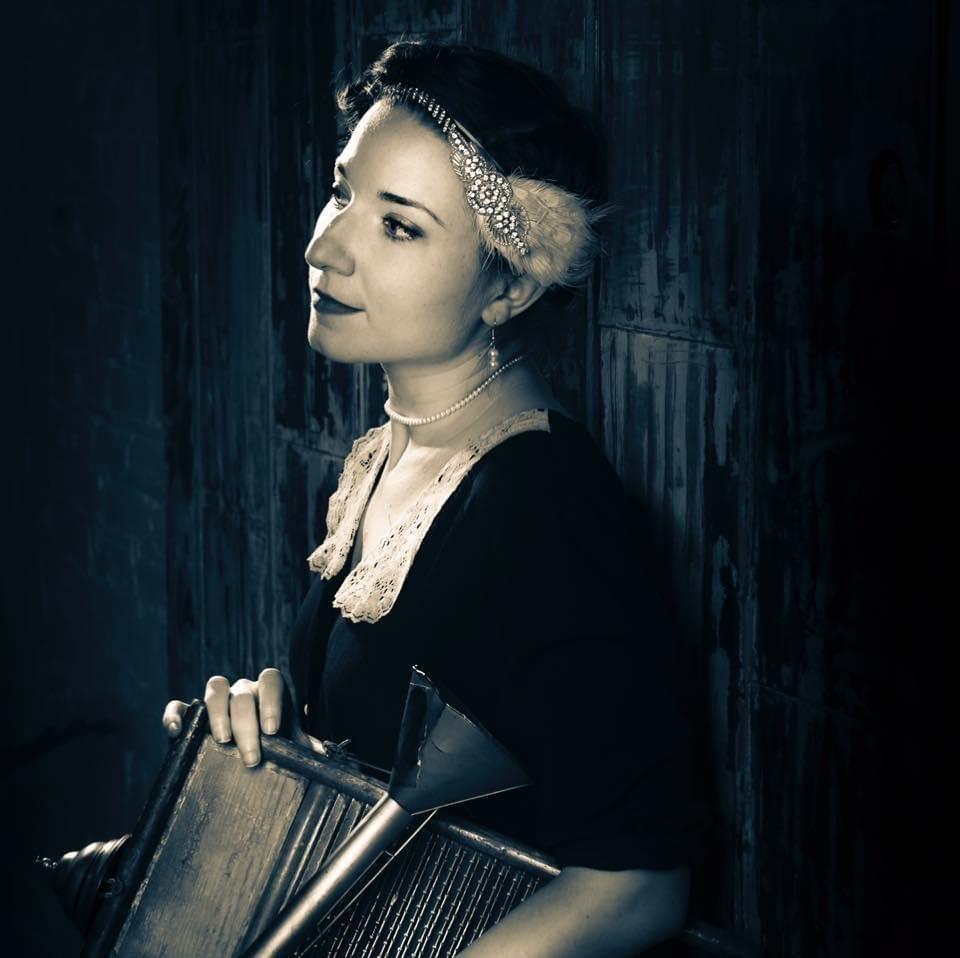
x=372, y=586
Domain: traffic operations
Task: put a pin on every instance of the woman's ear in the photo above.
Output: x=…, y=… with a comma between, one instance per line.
x=517, y=294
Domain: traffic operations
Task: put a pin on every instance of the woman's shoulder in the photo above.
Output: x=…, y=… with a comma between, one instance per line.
x=546, y=498
x=554, y=464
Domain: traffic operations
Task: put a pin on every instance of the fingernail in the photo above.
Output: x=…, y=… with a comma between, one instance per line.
x=250, y=759
x=173, y=727
x=270, y=726
x=221, y=734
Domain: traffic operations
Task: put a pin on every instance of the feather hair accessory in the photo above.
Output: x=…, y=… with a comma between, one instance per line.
x=539, y=228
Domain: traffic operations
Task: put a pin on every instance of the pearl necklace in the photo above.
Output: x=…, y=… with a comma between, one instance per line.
x=423, y=420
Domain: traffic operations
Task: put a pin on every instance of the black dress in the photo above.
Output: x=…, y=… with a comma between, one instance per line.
x=529, y=599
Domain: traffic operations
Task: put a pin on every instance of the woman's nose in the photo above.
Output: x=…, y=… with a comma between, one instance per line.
x=326, y=249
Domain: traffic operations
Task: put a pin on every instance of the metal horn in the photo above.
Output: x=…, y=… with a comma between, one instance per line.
x=443, y=757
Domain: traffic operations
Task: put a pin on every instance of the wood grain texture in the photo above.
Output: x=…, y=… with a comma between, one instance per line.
x=844, y=220
x=391, y=18
x=672, y=429
x=830, y=279
x=184, y=450
x=814, y=871
x=669, y=101
x=224, y=833
x=218, y=263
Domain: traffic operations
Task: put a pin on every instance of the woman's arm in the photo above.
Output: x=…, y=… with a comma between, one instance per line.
x=588, y=912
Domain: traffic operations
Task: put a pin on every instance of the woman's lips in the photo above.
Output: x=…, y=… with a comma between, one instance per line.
x=327, y=304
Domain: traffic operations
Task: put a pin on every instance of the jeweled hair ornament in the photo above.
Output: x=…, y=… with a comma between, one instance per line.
x=539, y=228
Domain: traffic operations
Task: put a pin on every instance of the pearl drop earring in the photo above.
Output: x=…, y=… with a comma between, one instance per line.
x=494, y=353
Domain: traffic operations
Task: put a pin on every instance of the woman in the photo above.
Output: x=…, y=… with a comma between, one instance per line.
x=479, y=533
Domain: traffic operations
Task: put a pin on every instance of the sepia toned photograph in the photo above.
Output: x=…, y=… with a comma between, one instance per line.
x=482, y=478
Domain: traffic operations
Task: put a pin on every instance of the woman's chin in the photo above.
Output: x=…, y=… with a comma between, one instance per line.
x=321, y=340
x=315, y=336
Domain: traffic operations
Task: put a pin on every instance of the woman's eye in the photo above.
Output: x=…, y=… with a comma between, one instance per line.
x=393, y=227
x=338, y=196
x=396, y=230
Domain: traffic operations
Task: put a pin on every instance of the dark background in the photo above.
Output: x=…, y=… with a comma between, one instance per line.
x=766, y=353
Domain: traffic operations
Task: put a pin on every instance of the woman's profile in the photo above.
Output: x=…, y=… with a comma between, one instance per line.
x=479, y=533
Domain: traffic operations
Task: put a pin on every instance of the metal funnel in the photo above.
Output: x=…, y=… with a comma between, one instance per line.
x=443, y=757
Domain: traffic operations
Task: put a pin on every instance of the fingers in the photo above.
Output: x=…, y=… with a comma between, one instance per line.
x=243, y=720
x=241, y=710
x=270, y=694
x=173, y=717
x=217, y=700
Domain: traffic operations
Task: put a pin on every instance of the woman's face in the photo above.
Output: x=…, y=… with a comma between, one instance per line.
x=397, y=242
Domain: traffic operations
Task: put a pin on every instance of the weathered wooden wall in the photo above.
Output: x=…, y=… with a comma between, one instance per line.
x=845, y=196
x=83, y=626
x=726, y=356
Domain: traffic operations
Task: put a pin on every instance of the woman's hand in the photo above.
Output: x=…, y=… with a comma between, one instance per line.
x=239, y=711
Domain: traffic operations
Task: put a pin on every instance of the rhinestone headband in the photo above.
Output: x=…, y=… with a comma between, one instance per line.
x=488, y=191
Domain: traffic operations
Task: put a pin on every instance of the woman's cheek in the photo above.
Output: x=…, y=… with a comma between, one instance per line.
x=453, y=280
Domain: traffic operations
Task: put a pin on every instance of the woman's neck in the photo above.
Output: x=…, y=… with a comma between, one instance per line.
x=426, y=390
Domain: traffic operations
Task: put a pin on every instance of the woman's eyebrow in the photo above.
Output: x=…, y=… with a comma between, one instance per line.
x=403, y=201
x=395, y=198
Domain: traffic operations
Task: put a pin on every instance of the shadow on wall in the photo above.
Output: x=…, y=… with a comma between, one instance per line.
x=83, y=587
